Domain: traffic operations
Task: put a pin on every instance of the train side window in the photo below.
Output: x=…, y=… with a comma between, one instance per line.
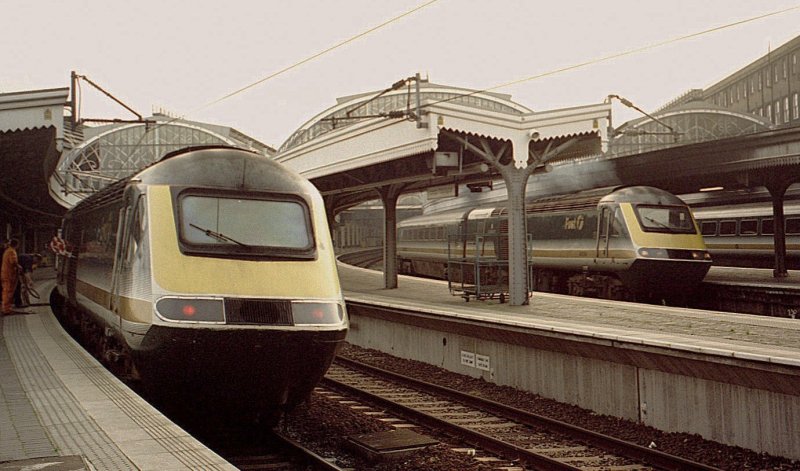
x=618, y=224
x=793, y=226
x=767, y=226
x=709, y=228
x=727, y=228
x=748, y=227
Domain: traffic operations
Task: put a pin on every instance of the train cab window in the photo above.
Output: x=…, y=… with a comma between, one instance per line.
x=767, y=226
x=792, y=226
x=727, y=228
x=748, y=227
x=670, y=219
x=709, y=228
x=245, y=225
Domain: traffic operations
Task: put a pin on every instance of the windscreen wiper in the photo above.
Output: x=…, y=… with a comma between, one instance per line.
x=218, y=235
x=657, y=223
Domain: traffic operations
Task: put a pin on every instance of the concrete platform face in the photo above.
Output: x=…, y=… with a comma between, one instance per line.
x=57, y=400
x=728, y=377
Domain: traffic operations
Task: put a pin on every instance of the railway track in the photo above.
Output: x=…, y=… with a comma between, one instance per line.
x=364, y=258
x=530, y=440
x=282, y=453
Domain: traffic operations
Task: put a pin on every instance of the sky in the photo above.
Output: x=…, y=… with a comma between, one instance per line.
x=183, y=56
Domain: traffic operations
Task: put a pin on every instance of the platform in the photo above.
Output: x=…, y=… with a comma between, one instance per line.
x=736, y=335
x=57, y=401
x=757, y=277
x=733, y=378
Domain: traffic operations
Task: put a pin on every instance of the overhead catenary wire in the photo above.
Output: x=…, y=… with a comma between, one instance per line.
x=312, y=57
x=617, y=55
x=288, y=68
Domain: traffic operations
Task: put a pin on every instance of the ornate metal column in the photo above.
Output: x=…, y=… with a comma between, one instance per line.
x=389, y=195
x=777, y=189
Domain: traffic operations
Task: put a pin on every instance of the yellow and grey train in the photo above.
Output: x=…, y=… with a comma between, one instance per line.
x=210, y=276
x=630, y=243
x=742, y=235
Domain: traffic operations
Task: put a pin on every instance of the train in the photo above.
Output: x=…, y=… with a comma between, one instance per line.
x=742, y=235
x=209, y=279
x=634, y=243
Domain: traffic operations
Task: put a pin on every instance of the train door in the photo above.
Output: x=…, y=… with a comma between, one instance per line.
x=129, y=234
x=123, y=228
x=605, y=223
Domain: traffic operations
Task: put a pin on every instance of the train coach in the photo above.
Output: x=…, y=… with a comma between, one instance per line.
x=210, y=277
x=742, y=235
x=631, y=243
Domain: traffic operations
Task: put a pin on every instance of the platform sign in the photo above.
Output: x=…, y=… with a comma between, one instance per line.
x=439, y=192
x=482, y=362
x=467, y=358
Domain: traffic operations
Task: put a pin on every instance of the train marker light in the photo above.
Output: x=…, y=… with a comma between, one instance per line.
x=316, y=313
x=191, y=309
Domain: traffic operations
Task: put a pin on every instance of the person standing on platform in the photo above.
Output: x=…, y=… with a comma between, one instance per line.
x=9, y=276
x=28, y=262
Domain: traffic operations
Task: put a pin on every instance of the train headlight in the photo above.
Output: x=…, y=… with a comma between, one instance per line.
x=191, y=309
x=317, y=313
x=653, y=253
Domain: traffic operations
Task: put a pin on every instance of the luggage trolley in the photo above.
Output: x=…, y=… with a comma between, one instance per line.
x=474, y=268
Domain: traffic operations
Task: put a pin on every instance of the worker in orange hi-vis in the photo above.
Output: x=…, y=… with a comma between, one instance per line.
x=9, y=275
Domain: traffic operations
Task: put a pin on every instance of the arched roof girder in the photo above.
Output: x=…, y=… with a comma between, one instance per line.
x=692, y=123
x=120, y=152
x=337, y=116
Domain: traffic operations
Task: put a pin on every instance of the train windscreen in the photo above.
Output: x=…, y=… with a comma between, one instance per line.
x=228, y=224
x=670, y=219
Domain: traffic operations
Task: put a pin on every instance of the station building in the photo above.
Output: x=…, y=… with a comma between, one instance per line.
x=768, y=87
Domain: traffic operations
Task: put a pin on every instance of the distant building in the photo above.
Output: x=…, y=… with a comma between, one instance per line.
x=768, y=87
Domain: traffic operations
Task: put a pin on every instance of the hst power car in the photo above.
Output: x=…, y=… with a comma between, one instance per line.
x=210, y=276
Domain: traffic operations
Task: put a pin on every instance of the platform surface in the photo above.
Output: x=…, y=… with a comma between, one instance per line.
x=57, y=401
x=748, y=337
x=759, y=277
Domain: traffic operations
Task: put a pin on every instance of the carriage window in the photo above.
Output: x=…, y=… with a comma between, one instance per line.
x=767, y=226
x=793, y=226
x=727, y=228
x=709, y=228
x=671, y=219
x=748, y=227
x=245, y=225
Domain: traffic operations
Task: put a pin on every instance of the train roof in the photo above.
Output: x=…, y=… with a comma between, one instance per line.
x=642, y=195
x=209, y=167
x=744, y=210
x=591, y=198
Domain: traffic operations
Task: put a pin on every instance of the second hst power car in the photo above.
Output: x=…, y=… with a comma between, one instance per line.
x=631, y=243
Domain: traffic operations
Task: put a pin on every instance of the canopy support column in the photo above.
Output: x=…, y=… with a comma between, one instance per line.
x=389, y=196
x=515, y=171
x=777, y=189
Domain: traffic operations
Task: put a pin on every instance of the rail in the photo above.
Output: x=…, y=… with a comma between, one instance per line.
x=611, y=445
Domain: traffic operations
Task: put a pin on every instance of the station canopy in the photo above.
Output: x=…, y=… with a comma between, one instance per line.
x=350, y=110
